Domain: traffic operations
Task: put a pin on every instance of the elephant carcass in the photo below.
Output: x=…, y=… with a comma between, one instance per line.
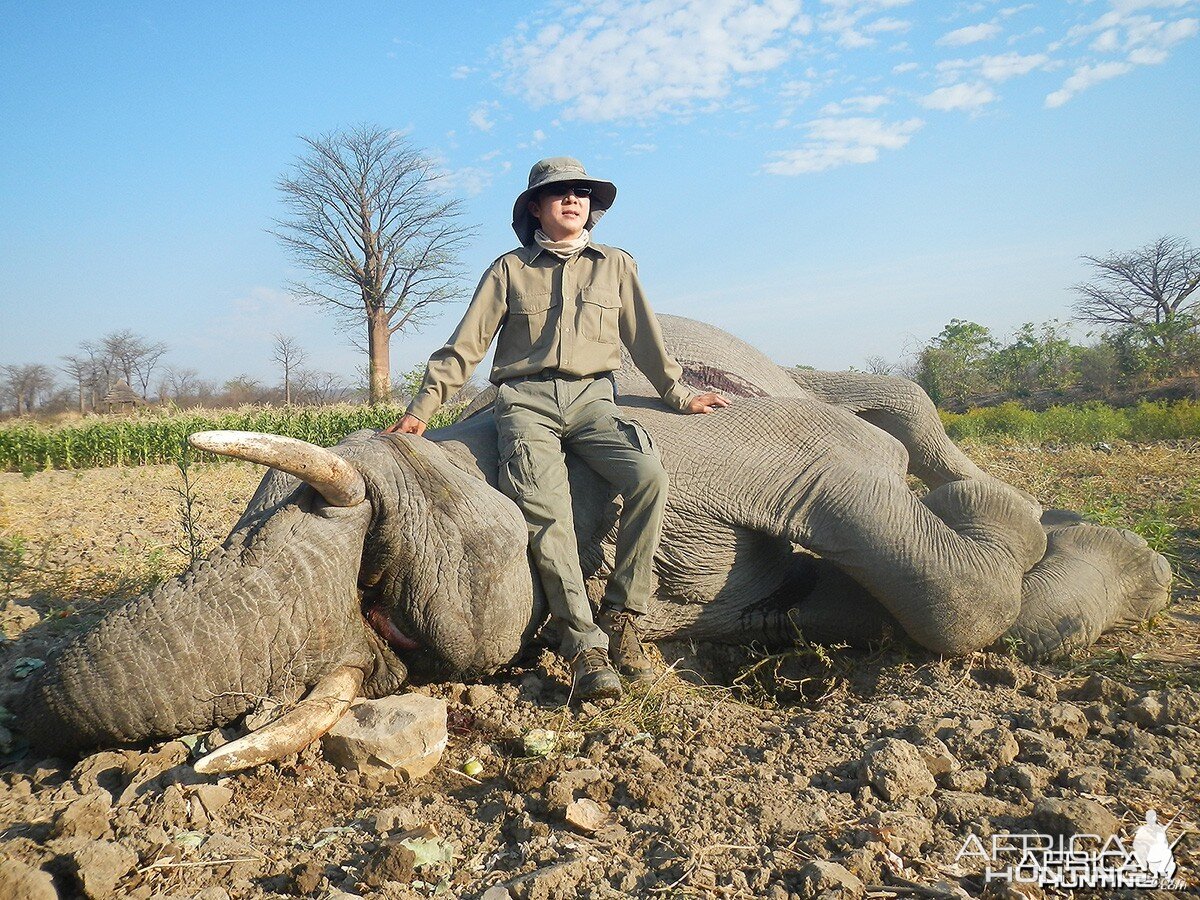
x=789, y=510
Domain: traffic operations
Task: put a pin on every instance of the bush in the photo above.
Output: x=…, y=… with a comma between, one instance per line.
x=1074, y=424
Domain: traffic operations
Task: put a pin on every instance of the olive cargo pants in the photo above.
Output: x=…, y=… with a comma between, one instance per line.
x=537, y=418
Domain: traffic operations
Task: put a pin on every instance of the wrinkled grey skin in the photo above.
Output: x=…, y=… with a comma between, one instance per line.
x=788, y=510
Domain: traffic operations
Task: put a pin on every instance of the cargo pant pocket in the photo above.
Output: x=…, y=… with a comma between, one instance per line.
x=637, y=436
x=516, y=471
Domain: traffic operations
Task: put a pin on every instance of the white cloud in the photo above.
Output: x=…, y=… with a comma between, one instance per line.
x=861, y=104
x=836, y=142
x=959, y=96
x=971, y=34
x=1083, y=78
x=905, y=67
x=462, y=72
x=480, y=116
x=470, y=180
x=887, y=24
x=631, y=60
x=997, y=68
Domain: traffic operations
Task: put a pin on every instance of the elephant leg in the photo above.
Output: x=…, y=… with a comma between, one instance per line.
x=1091, y=579
x=903, y=410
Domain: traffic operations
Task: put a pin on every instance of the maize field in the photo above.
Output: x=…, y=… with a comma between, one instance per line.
x=145, y=440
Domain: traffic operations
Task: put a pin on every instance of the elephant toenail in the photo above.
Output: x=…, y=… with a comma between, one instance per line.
x=1134, y=538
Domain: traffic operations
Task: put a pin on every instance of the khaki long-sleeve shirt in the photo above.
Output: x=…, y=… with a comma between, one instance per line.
x=570, y=315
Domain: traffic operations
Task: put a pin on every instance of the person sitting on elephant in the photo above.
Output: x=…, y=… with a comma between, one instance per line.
x=560, y=306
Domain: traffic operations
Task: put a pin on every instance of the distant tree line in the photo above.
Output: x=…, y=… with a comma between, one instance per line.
x=82, y=380
x=1143, y=304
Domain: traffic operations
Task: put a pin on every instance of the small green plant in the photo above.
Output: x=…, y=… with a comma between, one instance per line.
x=191, y=541
x=12, y=561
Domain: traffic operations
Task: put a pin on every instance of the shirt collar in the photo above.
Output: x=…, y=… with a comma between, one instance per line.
x=532, y=251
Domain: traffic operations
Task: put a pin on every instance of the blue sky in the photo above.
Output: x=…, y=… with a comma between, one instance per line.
x=828, y=180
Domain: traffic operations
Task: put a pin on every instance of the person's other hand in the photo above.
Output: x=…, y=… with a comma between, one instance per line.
x=406, y=424
x=706, y=403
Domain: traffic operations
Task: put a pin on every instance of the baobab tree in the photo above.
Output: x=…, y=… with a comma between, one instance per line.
x=370, y=221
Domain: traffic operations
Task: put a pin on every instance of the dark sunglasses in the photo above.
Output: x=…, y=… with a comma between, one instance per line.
x=561, y=190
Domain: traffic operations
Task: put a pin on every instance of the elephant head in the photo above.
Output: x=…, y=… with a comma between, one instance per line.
x=353, y=569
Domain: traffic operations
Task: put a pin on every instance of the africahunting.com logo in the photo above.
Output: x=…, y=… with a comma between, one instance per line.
x=1079, y=860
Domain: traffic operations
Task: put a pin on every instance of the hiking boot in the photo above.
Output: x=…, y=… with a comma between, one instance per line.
x=624, y=647
x=593, y=676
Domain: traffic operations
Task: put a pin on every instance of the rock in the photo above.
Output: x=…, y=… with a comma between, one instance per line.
x=1104, y=689
x=901, y=833
x=99, y=865
x=561, y=791
x=1066, y=720
x=21, y=882
x=479, y=695
x=1154, y=779
x=88, y=817
x=1183, y=708
x=553, y=881
x=212, y=892
x=1075, y=815
x=108, y=770
x=1089, y=780
x=211, y=796
x=1040, y=749
x=496, y=892
x=938, y=758
x=396, y=818
x=822, y=875
x=896, y=770
x=586, y=816
x=405, y=733
x=1146, y=711
x=391, y=862
x=1027, y=778
x=969, y=780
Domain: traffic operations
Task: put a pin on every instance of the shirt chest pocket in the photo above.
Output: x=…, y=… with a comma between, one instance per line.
x=599, y=315
x=529, y=317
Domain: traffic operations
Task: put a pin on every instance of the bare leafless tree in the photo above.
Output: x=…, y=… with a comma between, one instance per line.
x=81, y=369
x=129, y=355
x=370, y=220
x=27, y=385
x=179, y=384
x=1151, y=292
x=289, y=354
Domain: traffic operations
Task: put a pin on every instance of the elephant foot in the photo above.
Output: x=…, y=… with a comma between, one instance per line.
x=1092, y=579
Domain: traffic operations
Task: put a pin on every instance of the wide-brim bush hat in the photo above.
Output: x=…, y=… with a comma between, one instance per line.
x=550, y=171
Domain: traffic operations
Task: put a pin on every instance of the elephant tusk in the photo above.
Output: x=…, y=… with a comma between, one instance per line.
x=330, y=475
x=294, y=730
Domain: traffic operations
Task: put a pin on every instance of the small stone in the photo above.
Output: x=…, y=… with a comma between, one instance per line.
x=377, y=737
x=1076, y=815
x=1067, y=720
x=822, y=875
x=1146, y=711
x=88, y=817
x=21, y=882
x=968, y=780
x=391, y=862
x=586, y=816
x=1089, y=780
x=479, y=695
x=99, y=865
x=1156, y=779
x=496, y=892
x=212, y=796
x=396, y=818
x=938, y=758
x=896, y=770
x=1104, y=689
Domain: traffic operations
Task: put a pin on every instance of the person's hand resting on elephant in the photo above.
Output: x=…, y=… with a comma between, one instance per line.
x=705, y=403
x=406, y=424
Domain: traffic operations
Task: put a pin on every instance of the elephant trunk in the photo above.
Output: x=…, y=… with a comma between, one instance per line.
x=265, y=616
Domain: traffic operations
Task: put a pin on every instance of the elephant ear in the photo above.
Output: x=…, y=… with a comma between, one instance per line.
x=446, y=558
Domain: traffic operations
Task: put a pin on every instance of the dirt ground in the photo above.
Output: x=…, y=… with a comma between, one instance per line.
x=737, y=774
